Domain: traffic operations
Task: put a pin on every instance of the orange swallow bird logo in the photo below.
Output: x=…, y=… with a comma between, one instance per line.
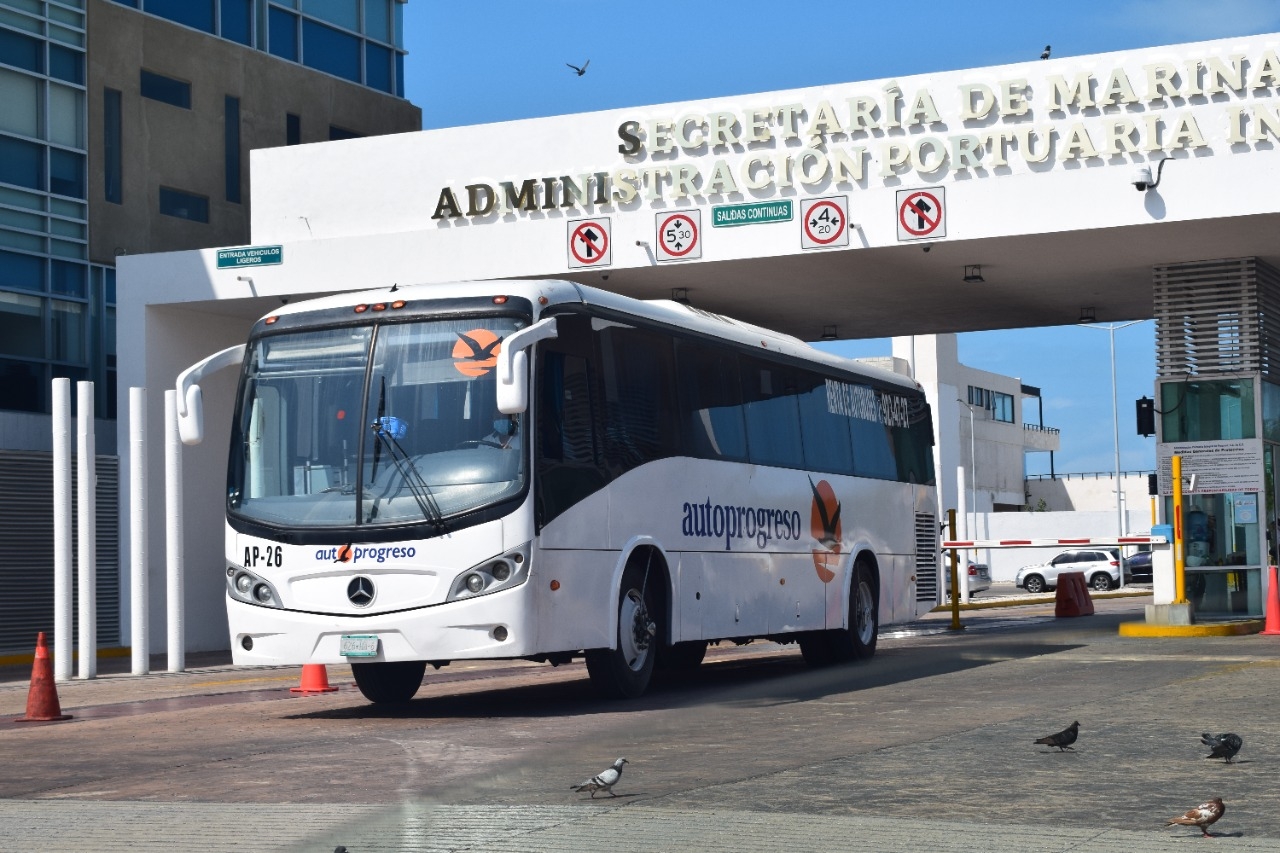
x=824, y=524
x=344, y=554
x=476, y=352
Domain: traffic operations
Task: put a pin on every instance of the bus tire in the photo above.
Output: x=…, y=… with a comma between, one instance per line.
x=392, y=682
x=858, y=641
x=682, y=657
x=815, y=648
x=625, y=672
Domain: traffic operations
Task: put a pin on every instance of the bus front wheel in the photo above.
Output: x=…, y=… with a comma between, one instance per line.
x=858, y=641
x=390, y=683
x=624, y=672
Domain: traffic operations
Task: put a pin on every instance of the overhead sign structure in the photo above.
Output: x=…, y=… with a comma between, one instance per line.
x=755, y=213
x=824, y=222
x=922, y=214
x=590, y=243
x=250, y=256
x=679, y=236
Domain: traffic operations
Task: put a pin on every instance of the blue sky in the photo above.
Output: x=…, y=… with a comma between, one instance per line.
x=479, y=62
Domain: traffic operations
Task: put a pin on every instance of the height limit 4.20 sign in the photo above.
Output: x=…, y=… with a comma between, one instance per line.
x=824, y=222
x=922, y=214
x=679, y=236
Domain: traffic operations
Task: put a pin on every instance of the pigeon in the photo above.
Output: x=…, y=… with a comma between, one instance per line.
x=1223, y=745
x=603, y=781
x=1203, y=816
x=582, y=70
x=1045, y=54
x=1063, y=739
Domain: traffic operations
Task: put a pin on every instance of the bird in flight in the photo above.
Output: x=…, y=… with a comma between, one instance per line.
x=479, y=352
x=1203, y=816
x=582, y=70
x=1063, y=739
x=1222, y=746
x=602, y=781
x=1045, y=54
x=830, y=526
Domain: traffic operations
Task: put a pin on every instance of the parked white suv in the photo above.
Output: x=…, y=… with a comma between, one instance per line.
x=1101, y=570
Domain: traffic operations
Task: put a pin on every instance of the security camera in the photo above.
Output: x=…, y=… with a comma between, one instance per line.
x=1142, y=178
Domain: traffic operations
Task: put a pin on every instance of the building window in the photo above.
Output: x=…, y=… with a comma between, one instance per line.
x=197, y=14
x=1002, y=407
x=377, y=67
x=236, y=17
x=283, y=34
x=66, y=173
x=184, y=205
x=292, y=129
x=21, y=163
x=231, y=132
x=112, y=147
x=331, y=51
x=21, y=51
x=158, y=87
x=66, y=64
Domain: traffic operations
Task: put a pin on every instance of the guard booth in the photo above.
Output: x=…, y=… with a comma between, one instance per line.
x=1218, y=408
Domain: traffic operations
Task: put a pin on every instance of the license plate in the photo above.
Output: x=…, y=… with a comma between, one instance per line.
x=358, y=646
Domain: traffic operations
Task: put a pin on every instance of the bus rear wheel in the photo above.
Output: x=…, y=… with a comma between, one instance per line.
x=625, y=672
x=858, y=641
x=389, y=683
x=682, y=657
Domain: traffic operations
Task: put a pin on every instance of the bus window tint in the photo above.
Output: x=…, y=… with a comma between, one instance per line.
x=873, y=449
x=914, y=446
x=772, y=414
x=638, y=414
x=710, y=403
x=825, y=431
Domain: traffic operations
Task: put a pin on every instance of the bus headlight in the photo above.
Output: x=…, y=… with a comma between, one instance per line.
x=244, y=585
x=501, y=572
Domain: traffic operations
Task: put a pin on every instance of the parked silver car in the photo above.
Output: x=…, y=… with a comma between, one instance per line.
x=979, y=578
x=1101, y=570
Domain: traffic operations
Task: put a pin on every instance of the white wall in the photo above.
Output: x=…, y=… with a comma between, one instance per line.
x=1090, y=493
x=1005, y=562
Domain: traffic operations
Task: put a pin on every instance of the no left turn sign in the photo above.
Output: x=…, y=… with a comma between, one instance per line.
x=679, y=236
x=589, y=243
x=824, y=222
x=922, y=214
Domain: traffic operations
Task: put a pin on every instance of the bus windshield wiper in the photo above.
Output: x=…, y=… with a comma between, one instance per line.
x=386, y=428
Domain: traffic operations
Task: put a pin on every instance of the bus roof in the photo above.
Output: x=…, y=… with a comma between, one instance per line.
x=561, y=292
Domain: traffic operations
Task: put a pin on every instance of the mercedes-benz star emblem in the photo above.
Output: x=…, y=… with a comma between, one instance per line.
x=360, y=591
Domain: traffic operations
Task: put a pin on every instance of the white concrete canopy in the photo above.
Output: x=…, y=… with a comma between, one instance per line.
x=1033, y=164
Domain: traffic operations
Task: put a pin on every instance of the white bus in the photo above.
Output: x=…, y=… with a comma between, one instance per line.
x=545, y=471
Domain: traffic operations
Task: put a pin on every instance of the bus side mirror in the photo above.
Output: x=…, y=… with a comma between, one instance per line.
x=513, y=365
x=190, y=401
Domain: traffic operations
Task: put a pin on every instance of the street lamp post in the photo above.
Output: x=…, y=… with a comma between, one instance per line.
x=1115, y=426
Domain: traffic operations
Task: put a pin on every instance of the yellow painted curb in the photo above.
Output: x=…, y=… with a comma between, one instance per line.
x=1210, y=629
x=19, y=660
x=1046, y=598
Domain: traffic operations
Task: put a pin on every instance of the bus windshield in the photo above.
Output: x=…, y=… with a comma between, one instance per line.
x=375, y=425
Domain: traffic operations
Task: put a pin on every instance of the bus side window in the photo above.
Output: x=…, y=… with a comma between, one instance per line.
x=773, y=416
x=567, y=466
x=825, y=429
x=710, y=403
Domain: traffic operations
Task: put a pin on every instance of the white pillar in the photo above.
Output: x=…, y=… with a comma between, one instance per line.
x=63, y=573
x=139, y=623
x=86, y=451
x=173, y=533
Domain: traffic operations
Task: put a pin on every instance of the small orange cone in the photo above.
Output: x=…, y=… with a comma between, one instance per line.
x=315, y=679
x=1273, y=607
x=42, y=698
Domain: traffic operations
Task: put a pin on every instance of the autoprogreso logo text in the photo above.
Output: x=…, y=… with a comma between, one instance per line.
x=753, y=524
x=358, y=553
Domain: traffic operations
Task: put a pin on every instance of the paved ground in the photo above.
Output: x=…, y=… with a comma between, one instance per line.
x=926, y=747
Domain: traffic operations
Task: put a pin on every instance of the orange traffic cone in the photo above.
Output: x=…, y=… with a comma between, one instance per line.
x=1273, y=607
x=42, y=698
x=315, y=679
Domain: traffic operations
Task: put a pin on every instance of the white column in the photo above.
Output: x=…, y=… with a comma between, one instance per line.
x=173, y=533
x=86, y=450
x=63, y=572
x=138, y=599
